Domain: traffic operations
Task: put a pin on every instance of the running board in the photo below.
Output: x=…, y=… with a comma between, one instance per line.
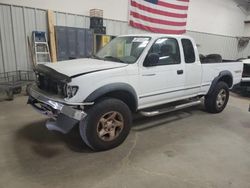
x=169, y=109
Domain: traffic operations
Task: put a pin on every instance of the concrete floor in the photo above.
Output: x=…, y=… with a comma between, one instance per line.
x=190, y=148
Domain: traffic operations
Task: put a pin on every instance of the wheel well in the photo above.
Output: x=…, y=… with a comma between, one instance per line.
x=124, y=96
x=227, y=79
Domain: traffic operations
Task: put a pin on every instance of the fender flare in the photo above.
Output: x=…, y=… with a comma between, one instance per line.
x=218, y=78
x=112, y=88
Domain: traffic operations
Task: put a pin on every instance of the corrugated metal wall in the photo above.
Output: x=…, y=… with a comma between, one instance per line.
x=16, y=23
x=216, y=44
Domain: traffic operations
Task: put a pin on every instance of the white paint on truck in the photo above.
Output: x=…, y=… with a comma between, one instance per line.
x=163, y=80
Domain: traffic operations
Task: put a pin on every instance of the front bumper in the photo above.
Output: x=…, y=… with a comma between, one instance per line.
x=65, y=115
x=53, y=107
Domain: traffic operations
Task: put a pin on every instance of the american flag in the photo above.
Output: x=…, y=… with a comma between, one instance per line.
x=159, y=16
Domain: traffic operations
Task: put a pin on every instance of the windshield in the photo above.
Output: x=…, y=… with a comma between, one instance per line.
x=123, y=49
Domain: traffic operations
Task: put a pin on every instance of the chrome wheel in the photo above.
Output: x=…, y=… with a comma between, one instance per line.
x=221, y=98
x=110, y=126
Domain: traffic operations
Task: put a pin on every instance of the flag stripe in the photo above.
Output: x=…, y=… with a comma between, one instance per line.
x=169, y=5
x=160, y=16
x=176, y=2
x=162, y=8
x=162, y=26
x=149, y=14
x=156, y=30
x=155, y=11
x=155, y=20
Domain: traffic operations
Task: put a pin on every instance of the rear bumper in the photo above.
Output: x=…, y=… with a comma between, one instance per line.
x=245, y=79
x=245, y=82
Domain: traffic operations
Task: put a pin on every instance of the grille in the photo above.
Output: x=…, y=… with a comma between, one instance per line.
x=50, y=85
x=246, y=70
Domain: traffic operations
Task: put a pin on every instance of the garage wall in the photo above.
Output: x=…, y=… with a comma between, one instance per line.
x=207, y=43
x=210, y=16
x=247, y=27
x=113, y=9
x=17, y=22
x=221, y=17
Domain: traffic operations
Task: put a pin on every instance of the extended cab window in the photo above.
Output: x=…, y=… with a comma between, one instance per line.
x=188, y=50
x=168, y=50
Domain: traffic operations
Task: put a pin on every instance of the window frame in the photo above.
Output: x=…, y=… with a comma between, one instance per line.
x=184, y=50
x=178, y=48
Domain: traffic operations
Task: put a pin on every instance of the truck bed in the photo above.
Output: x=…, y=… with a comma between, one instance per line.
x=211, y=70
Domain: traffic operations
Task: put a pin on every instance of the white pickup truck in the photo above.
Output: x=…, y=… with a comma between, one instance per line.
x=148, y=74
x=245, y=81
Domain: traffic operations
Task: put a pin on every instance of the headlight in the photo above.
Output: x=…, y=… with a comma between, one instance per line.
x=70, y=91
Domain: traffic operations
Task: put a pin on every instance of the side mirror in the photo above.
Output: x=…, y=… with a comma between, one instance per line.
x=151, y=60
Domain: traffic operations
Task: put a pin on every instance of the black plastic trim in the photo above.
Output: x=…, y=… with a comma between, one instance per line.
x=216, y=79
x=110, y=88
x=43, y=69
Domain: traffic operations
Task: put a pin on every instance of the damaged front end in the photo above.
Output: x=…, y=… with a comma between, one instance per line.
x=47, y=97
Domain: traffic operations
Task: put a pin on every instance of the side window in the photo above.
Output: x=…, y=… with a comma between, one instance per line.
x=168, y=50
x=188, y=50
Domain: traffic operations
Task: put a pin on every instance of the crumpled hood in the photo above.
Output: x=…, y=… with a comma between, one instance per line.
x=76, y=67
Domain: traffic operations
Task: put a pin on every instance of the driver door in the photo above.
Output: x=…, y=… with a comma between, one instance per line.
x=165, y=80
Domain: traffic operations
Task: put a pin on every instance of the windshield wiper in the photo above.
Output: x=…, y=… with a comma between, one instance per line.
x=114, y=58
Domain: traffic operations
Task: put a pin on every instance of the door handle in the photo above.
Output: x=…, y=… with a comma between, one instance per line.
x=179, y=71
x=148, y=74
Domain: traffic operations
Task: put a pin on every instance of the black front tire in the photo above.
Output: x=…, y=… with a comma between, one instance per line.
x=211, y=100
x=89, y=125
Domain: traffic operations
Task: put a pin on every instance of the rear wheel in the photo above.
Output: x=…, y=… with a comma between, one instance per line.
x=217, y=100
x=106, y=125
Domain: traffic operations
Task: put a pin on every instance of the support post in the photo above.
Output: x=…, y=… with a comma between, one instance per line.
x=52, y=38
